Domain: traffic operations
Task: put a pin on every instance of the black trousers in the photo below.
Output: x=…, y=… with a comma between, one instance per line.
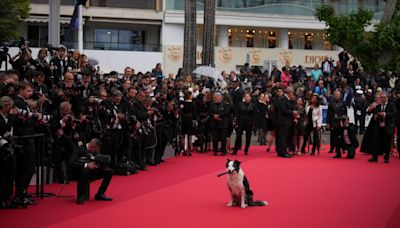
x=26, y=164
x=360, y=122
x=282, y=141
x=163, y=138
x=340, y=144
x=114, y=144
x=7, y=177
x=219, y=135
x=85, y=175
x=138, y=153
x=384, y=144
x=335, y=132
x=315, y=139
x=148, y=147
x=243, y=127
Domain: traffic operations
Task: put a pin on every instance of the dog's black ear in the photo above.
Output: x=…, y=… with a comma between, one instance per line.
x=237, y=163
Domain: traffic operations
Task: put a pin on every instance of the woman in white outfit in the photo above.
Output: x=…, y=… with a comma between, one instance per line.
x=313, y=123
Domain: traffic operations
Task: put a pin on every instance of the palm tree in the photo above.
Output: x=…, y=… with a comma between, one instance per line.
x=189, y=46
x=209, y=33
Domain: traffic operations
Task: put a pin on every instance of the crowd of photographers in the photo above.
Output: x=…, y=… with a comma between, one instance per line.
x=135, y=115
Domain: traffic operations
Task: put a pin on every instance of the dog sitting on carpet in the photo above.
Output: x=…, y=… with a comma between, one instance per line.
x=239, y=187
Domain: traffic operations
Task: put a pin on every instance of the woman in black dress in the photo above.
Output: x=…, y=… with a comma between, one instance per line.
x=369, y=141
x=269, y=127
x=189, y=123
x=261, y=119
x=202, y=110
x=298, y=126
x=230, y=115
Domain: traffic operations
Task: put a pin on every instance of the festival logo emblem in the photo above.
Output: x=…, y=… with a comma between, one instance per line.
x=225, y=55
x=174, y=53
x=286, y=57
x=255, y=57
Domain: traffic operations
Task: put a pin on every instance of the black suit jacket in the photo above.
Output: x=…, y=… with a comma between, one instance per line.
x=390, y=117
x=284, y=111
x=223, y=111
x=79, y=157
x=335, y=109
x=23, y=126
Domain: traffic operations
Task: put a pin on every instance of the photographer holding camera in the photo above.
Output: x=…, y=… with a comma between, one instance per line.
x=7, y=158
x=26, y=158
x=347, y=138
x=64, y=129
x=88, y=164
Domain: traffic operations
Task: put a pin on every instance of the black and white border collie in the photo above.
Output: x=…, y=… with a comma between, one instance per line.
x=239, y=187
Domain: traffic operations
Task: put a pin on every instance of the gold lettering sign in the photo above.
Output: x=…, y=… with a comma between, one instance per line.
x=225, y=55
x=255, y=56
x=313, y=59
x=174, y=53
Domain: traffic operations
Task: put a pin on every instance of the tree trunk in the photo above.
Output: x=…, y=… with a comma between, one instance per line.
x=209, y=33
x=389, y=11
x=189, y=46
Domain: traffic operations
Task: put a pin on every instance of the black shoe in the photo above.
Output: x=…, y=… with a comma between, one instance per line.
x=162, y=160
x=234, y=152
x=4, y=205
x=373, y=160
x=80, y=200
x=246, y=152
x=189, y=153
x=102, y=197
x=30, y=201
x=215, y=154
x=285, y=156
x=386, y=161
x=330, y=151
x=337, y=156
x=268, y=149
x=19, y=203
x=151, y=163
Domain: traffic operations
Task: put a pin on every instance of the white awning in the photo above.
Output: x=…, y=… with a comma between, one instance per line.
x=45, y=19
x=124, y=21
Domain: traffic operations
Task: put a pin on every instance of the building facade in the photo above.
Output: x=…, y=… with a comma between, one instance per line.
x=141, y=33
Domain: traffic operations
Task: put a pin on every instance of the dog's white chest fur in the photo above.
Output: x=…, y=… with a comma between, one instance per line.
x=235, y=183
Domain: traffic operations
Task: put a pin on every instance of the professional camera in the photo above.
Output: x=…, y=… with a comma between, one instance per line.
x=6, y=149
x=101, y=160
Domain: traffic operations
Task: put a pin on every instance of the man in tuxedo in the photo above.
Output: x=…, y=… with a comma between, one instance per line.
x=24, y=125
x=336, y=110
x=385, y=115
x=284, y=120
x=60, y=65
x=84, y=165
x=219, y=123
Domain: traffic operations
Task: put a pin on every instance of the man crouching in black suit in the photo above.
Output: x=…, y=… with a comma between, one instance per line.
x=88, y=164
x=347, y=138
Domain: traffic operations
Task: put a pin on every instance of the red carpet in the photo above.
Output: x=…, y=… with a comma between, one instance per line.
x=303, y=191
